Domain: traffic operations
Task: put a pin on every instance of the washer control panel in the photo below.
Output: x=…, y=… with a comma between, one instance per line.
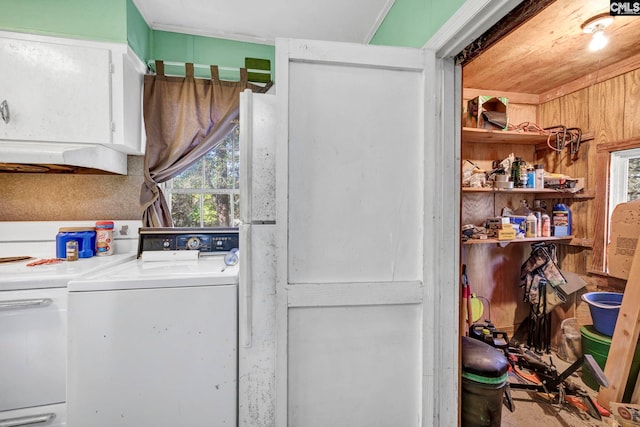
x=205, y=240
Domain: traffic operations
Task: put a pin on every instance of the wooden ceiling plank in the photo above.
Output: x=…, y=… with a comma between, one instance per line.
x=549, y=50
x=606, y=73
x=521, y=14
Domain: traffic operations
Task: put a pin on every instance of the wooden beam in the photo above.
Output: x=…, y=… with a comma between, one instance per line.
x=601, y=208
x=610, y=147
x=606, y=73
x=514, y=97
x=625, y=338
x=601, y=220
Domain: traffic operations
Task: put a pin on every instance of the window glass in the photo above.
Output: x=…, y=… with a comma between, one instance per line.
x=624, y=177
x=633, y=181
x=190, y=178
x=208, y=193
x=185, y=209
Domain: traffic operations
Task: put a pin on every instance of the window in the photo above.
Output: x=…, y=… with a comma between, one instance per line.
x=208, y=193
x=625, y=177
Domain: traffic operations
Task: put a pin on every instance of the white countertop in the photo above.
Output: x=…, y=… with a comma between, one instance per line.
x=17, y=275
x=37, y=239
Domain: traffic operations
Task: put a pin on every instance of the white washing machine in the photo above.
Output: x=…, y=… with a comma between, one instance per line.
x=153, y=342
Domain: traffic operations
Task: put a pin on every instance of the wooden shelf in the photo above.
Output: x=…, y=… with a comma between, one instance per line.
x=524, y=240
x=546, y=193
x=486, y=136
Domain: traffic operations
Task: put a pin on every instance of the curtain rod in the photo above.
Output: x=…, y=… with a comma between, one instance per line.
x=152, y=62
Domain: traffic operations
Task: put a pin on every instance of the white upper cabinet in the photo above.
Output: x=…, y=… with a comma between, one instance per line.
x=70, y=91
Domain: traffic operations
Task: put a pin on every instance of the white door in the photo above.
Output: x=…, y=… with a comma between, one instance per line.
x=368, y=292
x=354, y=210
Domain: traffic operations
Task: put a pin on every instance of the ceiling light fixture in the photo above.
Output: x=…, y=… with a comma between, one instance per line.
x=596, y=25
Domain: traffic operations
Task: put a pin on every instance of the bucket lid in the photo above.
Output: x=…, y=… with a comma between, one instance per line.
x=589, y=332
x=482, y=360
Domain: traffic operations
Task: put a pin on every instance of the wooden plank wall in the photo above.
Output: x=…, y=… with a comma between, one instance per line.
x=611, y=111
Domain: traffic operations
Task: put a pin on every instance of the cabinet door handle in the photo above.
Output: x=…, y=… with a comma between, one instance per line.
x=29, y=420
x=4, y=111
x=24, y=303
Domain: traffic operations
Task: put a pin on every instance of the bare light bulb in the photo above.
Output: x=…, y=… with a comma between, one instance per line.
x=599, y=40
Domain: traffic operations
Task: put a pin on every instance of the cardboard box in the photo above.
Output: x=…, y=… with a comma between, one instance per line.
x=507, y=232
x=493, y=225
x=493, y=106
x=626, y=414
x=625, y=230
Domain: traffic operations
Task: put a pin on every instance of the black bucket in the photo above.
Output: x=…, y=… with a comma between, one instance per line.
x=484, y=378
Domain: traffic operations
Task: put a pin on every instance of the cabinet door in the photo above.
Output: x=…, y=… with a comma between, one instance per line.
x=55, y=92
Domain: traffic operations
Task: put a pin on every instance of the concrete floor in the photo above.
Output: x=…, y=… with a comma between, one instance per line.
x=532, y=410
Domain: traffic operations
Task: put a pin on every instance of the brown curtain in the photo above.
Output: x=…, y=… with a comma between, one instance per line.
x=184, y=118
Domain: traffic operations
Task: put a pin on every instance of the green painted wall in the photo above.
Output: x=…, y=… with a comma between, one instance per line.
x=408, y=23
x=179, y=47
x=139, y=35
x=412, y=22
x=89, y=19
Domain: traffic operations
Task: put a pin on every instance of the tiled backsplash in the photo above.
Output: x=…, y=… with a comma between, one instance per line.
x=65, y=197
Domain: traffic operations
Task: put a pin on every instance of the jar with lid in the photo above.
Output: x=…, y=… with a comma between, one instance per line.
x=71, y=250
x=104, y=238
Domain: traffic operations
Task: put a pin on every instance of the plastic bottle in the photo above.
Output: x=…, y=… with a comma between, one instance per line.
x=539, y=208
x=539, y=175
x=561, y=220
x=531, y=178
x=104, y=238
x=532, y=225
x=546, y=225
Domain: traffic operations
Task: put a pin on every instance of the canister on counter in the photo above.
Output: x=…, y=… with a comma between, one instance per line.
x=71, y=250
x=85, y=238
x=104, y=238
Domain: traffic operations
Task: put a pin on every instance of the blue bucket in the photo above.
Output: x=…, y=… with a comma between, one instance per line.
x=604, y=308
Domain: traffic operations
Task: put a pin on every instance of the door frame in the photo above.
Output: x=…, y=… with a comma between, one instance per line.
x=442, y=251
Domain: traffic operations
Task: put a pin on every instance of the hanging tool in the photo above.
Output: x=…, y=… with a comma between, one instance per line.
x=466, y=295
x=560, y=134
x=575, y=139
